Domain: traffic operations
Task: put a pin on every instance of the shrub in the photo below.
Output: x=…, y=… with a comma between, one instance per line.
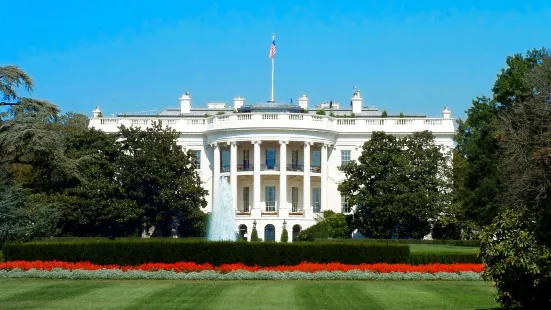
x=139, y=251
x=284, y=235
x=254, y=235
x=516, y=262
x=320, y=112
x=333, y=226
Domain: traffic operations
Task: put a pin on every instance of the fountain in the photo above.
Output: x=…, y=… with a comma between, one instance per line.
x=222, y=218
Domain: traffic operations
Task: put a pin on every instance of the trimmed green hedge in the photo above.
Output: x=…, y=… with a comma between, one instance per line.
x=138, y=251
x=443, y=258
x=468, y=243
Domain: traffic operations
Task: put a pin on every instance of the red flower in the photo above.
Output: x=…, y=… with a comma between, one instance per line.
x=190, y=266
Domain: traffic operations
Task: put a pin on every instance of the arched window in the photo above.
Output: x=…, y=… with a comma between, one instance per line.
x=296, y=231
x=269, y=233
x=242, y=231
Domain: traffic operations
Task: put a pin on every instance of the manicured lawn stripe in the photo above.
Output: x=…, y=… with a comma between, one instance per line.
x=442, y=248
x=152, y=294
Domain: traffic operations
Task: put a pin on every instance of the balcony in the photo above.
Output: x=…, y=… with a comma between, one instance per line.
x=280, y=120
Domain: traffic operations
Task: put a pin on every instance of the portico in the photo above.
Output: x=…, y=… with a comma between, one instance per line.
x=282, y=173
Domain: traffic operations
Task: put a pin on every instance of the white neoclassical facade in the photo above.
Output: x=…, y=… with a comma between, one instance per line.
x=281, y=160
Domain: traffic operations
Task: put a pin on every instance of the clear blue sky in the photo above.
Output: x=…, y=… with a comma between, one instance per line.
x=406, y=56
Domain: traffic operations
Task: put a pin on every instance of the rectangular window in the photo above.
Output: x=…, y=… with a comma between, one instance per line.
x=294, y=160
x=225, y=161
x=197, y=159
x=345, y=157
x=270, y=159
x=270, y=198
x=246, y=162
x=345, y=206
x=316, y=159
x=316, y=199
x=294, y=199
x=246, y=205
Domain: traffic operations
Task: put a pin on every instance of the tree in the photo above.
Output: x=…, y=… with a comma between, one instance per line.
x=155, y=173
x=399, y=185
x=517, y=247
x=284, y=235
x=478, y=181
x=12, y=77
x=334, y=226
x=97, y=205
x=33, y=150
x=254, y=235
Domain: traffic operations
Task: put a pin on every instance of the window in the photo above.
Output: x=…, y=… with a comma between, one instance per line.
x=296, y=232
x=246, y=204
x=316, y=199
x=316, y=159
x=243, y=231
x=225, y=161
x=294, y=160
x=345, y=206
x=270, y=158
x=197, y=159
x=246, y=161
x=294, y=199
x=269, y=232
x=345, y=157
x=270, y=198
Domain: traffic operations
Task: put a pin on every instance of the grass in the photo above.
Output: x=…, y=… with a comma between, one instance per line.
x=441, y=248
x=151, y=294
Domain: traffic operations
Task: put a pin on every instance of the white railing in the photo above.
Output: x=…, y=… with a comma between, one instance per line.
x=280, y=120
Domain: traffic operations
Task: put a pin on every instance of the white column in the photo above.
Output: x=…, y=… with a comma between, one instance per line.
x=256, y=175
x=306, y=185
x=283, y=175
x=323, y=182
x=215, y=171
x=233, y=172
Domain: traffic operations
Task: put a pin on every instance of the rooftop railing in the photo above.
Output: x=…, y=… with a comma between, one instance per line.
x=279, y=120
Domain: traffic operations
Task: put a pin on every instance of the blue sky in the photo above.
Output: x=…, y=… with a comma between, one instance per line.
x=406, y=56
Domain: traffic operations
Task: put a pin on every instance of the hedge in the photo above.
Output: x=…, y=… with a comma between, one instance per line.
x=468, y=243
x=444, y=258
x=139, y=251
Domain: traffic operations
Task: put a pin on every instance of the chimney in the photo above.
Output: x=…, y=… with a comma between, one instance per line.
x=97, y=113
x=446, y=113
x=185, y=103
x=303, y=102
x=356, y=102
x=238, y=102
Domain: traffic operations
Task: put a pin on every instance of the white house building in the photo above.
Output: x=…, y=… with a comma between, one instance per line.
x=281, y=160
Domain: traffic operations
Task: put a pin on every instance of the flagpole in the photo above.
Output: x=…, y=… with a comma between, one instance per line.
x=272, y=80
x=273, y=38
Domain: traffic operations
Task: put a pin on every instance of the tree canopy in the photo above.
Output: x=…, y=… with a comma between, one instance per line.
x=398, y=186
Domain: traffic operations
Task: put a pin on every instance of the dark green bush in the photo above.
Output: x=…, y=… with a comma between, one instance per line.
x=518, y=264
x=333, y=226
x=138, y=251
x=468, y=243
x=254, y=235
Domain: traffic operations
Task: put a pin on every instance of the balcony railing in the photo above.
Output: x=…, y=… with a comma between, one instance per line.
x=315, y=169
x=280, y=120
x=269, y=167
x=295, y=168
x=245, y=167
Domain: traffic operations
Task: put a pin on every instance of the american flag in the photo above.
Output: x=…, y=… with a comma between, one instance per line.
x=272, y=48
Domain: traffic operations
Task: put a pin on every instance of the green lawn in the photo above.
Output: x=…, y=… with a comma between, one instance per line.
x=441, y=248
x=152, y=294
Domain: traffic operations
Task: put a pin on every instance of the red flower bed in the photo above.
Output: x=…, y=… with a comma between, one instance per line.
x=189, y=267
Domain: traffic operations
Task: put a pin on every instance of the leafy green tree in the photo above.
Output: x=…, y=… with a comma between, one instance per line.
x=32, y=149
x=478, y=180
x=11, y=78
x=399, y=185
x=155, y=173
x=97, y=205
x=517, y=247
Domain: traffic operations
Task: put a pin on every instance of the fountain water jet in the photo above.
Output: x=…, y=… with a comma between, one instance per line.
x=222, y=218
